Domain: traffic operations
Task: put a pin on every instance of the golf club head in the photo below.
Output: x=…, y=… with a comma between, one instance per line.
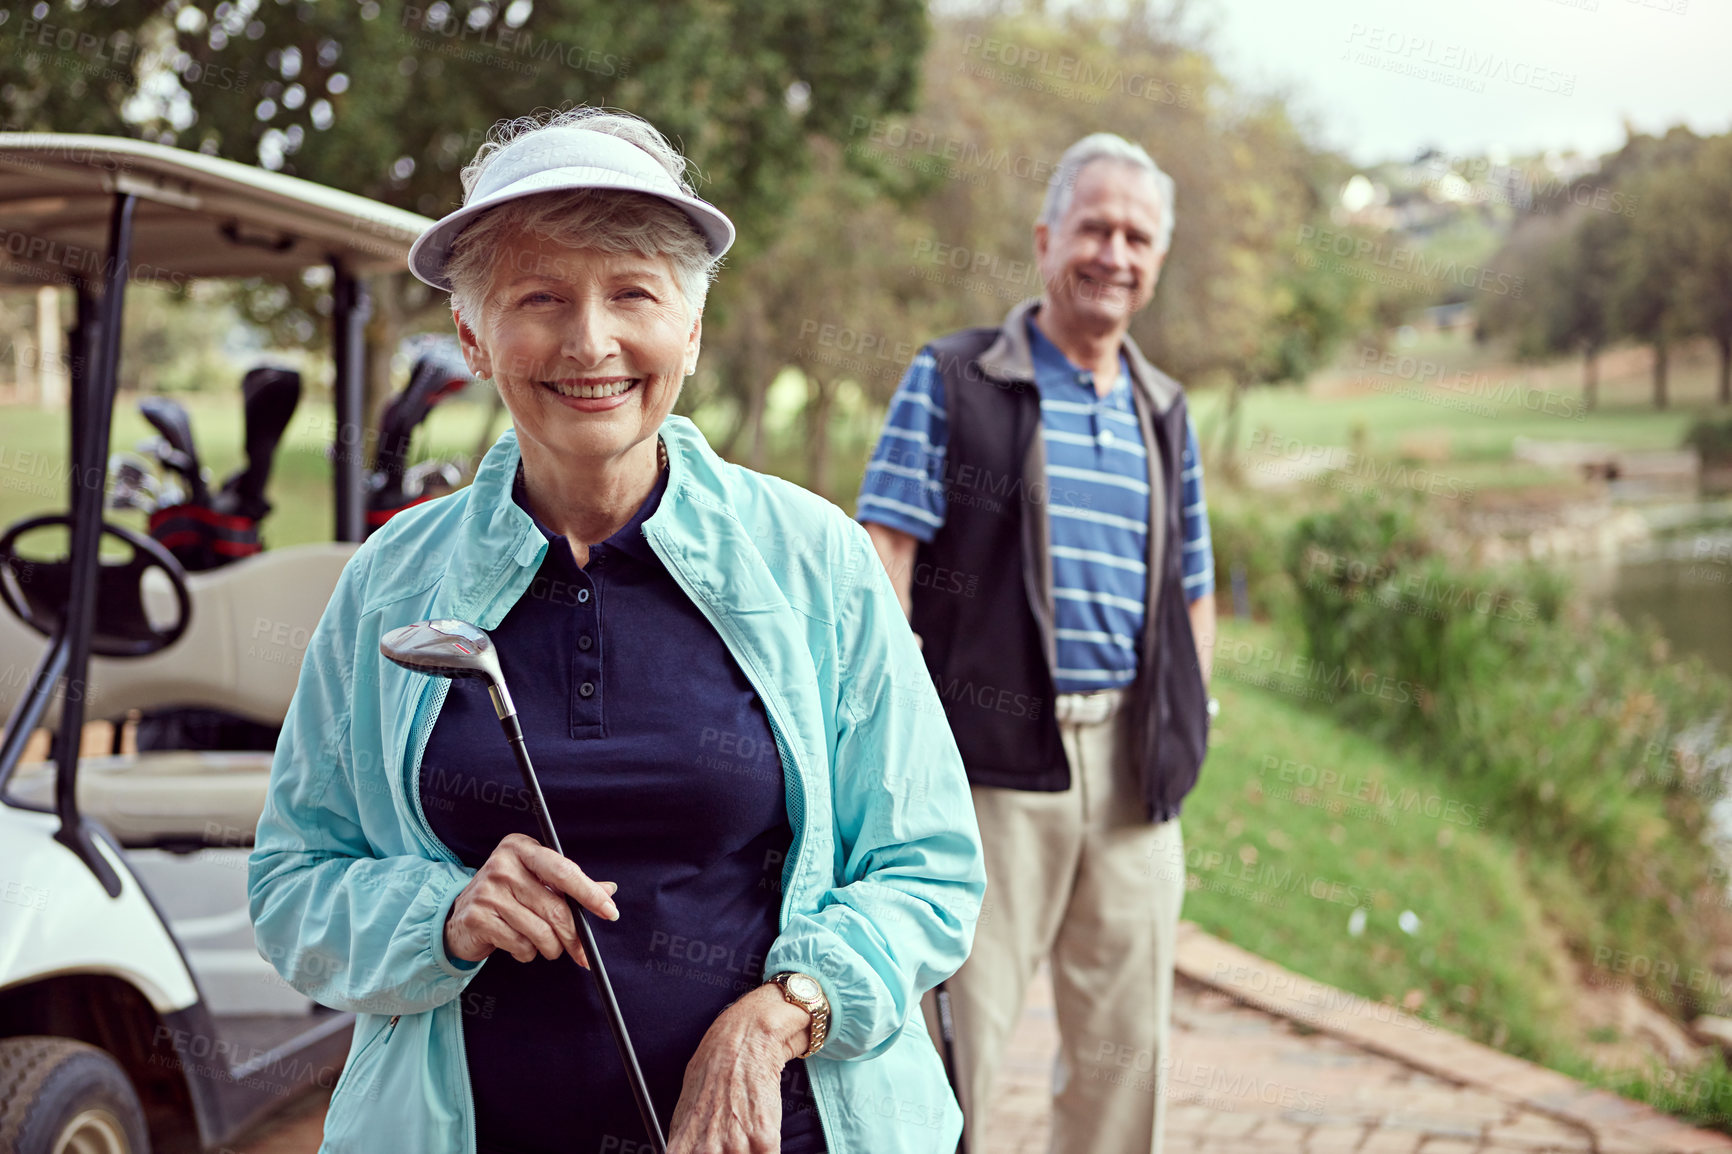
x=131, y=485
x=438, y=373
x=271, y=396
x=431, y=479
x=169, y=418
x=447, y=647
x=166, y=455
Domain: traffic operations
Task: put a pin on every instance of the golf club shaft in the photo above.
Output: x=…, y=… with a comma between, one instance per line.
x=947, y=1032
x=597, y=971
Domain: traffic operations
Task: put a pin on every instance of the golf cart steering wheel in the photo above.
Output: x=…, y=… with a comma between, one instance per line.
x=38, y=591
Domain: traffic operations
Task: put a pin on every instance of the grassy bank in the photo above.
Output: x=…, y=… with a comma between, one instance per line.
x=1298, y=822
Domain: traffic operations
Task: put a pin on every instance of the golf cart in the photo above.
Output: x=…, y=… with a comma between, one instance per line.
x=135, y=1012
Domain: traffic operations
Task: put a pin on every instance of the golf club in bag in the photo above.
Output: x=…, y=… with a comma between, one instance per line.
x=438, y=374
x=176, y=450
x=206, y=532
x=452, y=648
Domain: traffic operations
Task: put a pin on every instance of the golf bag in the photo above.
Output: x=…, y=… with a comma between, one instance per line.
x=205, y=532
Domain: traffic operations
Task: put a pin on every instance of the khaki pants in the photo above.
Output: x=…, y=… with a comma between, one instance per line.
x=1082, y=878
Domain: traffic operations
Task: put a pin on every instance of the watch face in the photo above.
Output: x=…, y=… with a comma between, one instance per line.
x=804, y=987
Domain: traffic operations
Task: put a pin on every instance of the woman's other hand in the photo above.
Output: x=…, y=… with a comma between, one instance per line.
x=731, y=1101
x=516, y=903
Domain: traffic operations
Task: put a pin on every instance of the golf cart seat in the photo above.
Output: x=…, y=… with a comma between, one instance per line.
x=241, y=651
x=175, y=799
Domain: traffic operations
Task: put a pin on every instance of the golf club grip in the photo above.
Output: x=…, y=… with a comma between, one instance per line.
x=597, y=970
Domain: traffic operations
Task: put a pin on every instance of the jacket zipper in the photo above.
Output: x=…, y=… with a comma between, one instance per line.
x=380, y=1039
x=433, y=698
x=772, y=710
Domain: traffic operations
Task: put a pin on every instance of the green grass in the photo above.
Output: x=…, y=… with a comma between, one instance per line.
x=1280, y=857
x=1474, y=424
x=1702, y=1095
x=1298, y=821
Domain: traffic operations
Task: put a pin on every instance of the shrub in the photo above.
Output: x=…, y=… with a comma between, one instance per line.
x=1571, y=729
x=1712, y=439
x=1250, y=537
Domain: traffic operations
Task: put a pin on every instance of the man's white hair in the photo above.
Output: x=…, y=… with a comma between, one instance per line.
x=1106, y=146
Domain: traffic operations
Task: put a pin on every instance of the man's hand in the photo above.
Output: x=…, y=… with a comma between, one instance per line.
x=731, y=1101
x=1202, y=612
x=516, y=903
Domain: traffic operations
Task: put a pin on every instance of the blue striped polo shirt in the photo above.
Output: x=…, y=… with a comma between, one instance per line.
x=1097, y=473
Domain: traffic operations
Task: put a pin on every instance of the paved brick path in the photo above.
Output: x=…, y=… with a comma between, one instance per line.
x=1268, y=1062
x=1244, y=1080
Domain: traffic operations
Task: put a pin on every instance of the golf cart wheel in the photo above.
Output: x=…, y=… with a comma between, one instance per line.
x=58, y=1096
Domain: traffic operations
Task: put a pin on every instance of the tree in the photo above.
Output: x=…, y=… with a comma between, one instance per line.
x=829, y=296
x=1649, y=301
x=1582, y=278
x=1707, y=279
x=389, y=101
x=1569, y=267
x=1640, y=248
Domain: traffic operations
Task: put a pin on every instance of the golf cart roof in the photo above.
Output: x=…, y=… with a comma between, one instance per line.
x=198, y=216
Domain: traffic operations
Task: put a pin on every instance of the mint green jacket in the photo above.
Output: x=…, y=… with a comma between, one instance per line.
x=349, y=888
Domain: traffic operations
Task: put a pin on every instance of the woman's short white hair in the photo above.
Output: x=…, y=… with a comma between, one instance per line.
x=1105, y=146
x=601, y=219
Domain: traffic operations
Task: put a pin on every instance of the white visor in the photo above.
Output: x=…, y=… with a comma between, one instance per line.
x=560, y=160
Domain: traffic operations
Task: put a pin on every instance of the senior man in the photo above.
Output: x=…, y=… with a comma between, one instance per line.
x=1036, y=496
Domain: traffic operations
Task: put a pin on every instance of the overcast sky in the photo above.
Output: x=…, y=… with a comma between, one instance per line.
x=1383, y=79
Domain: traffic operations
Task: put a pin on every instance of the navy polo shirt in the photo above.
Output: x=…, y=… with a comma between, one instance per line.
x=661, y=773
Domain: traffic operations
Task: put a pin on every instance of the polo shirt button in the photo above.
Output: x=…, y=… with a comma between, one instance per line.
x=1106, y=439
x=587, y=689
x=585, y=642
x=582, y=596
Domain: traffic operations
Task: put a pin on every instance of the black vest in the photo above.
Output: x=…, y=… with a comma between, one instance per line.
x=982, y=586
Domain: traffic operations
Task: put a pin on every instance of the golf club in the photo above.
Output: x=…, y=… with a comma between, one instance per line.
x=437, y=375
x=947, y=1034
x=452, y=648
x=131, y=484
x=169, y=418
x=271, y=396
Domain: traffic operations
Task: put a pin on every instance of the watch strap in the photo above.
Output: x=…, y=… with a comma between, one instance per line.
x=818, y=1007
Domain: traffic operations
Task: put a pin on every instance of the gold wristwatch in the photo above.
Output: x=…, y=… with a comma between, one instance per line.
x=804, y=991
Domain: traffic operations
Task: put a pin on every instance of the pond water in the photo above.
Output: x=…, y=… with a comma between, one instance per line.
x=1681, y=579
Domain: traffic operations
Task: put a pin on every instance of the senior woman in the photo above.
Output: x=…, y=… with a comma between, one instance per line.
x=736, y=736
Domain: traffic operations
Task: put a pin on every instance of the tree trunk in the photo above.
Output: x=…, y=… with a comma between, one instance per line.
x=53, y=364
x=1725, y=343
x=757, y=391
x=1662, y=355
x=383, y=334
x=1229, y=444
x=1590, y=378
x=820, y=395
